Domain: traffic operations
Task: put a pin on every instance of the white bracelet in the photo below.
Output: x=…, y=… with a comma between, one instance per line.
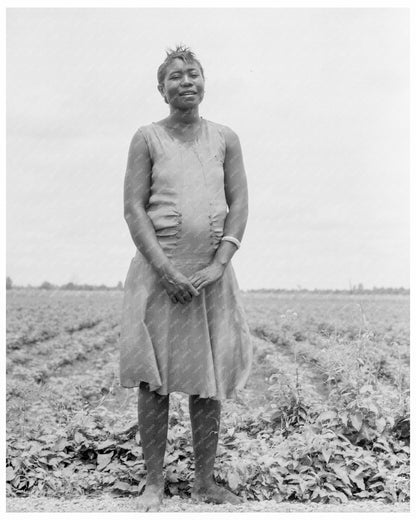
x=233, y=240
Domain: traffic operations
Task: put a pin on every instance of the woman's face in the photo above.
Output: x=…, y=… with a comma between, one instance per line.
x=184, y=85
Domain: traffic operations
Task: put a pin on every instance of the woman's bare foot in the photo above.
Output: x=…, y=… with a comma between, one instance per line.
x=151, y=498
x=215, y=494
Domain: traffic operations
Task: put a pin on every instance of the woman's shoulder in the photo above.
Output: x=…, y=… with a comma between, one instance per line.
x=141, y=141
x=146, y=128
x=227, y=132
x=225, y=129
x=145, y=133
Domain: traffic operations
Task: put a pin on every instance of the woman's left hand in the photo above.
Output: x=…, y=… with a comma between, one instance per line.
x=208, y=275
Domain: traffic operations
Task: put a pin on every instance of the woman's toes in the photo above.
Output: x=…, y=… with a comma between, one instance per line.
x=151, y=499
x=217, y=495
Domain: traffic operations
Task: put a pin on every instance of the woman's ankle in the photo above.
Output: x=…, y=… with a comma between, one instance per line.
x=203, y=482
x=158, y=481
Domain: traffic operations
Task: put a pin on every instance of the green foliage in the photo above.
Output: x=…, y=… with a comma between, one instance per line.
x=78, y=434
x=323, y=456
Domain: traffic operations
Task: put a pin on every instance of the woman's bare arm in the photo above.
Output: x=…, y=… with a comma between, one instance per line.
x=136, y=196
x=236, y=193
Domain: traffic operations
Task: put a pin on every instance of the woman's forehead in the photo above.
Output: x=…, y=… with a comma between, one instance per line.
x=178, y=64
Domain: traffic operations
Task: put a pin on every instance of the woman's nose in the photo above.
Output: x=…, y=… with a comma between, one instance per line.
x=186, y=80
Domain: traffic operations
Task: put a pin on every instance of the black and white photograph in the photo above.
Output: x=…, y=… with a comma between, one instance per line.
x=207, y=236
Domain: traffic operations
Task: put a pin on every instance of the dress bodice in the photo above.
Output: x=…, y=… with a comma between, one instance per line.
x=187, y=203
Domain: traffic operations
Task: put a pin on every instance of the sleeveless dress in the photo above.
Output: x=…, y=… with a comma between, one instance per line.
x=202, y=347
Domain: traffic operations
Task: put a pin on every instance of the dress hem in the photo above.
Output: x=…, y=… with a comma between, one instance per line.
x=233, y=394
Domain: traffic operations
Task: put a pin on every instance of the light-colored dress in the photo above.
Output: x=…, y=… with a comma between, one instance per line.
x=202, y=347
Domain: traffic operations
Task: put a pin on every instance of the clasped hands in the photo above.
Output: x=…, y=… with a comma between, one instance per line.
x=182, y=289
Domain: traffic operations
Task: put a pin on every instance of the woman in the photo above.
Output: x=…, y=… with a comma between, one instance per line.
x=183, y=325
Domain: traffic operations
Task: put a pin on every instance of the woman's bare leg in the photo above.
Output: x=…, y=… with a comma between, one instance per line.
x=205, y=420
x=153, y=414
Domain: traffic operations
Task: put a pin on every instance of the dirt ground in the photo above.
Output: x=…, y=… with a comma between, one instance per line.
x=110, y=503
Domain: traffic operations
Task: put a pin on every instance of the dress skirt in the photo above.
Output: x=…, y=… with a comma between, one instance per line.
x=202, y=347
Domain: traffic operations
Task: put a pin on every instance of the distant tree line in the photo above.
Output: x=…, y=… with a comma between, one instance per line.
x=355, y=289
x=67, y=286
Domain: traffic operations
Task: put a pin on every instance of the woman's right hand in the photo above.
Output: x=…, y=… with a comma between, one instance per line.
x=178, y=287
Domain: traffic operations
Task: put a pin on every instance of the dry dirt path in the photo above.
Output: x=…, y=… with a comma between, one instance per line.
x=109, y=503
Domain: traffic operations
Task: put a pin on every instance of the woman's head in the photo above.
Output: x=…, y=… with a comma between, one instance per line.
x=181, y=52
x=181, y=79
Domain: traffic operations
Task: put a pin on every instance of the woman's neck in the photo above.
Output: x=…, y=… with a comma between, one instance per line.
x=184, y=118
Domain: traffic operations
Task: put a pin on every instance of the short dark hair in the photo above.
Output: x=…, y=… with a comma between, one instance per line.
x=183, y=53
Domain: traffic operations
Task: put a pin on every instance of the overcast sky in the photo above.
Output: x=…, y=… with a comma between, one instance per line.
x=318, y=97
